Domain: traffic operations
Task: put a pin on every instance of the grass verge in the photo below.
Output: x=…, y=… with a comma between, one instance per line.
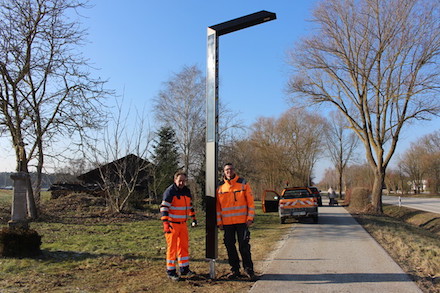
x=412, y=239
x=87, y=250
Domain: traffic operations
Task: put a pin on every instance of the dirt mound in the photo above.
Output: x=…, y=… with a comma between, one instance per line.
x=84, y=208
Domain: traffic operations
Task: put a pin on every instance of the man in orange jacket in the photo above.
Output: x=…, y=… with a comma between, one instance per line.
x=235, y=213
x=176, y=208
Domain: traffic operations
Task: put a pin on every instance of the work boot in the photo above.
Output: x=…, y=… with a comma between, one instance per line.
x=173, y=276
x=250, y=274
x=233, y=275
x=187, y=272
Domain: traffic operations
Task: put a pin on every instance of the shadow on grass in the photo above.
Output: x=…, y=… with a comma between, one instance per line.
x=61, y=256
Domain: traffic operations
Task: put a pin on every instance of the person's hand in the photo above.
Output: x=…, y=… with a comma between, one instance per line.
x=249, y=223
x=194, y=223
x=220, y=227
x=166, y=227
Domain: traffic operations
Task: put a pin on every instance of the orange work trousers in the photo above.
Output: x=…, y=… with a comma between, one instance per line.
x=177, y=246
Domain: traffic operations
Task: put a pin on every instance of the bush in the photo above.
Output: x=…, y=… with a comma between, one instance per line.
x=360, y=199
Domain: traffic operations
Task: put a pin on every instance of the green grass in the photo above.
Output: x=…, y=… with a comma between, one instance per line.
x=85, y=255
x=5, y=197
x=124, y=257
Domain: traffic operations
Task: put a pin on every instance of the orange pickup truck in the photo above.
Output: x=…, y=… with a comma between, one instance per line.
x=294, y=202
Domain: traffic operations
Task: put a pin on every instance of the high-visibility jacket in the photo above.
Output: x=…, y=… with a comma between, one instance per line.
x=176, y=206
x=235, y=202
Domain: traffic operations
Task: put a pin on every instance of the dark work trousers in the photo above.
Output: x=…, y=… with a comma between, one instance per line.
x=240, y=232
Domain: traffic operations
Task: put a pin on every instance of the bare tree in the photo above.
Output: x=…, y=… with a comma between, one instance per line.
x=412, y=166
x=359, y=175
x=264, y=151
x=341, y=145
x=376, y=61
x=396, y=181
x=330, y=178
x=301, y=133
x=181, y=105
x=120, y=154
x=431, y=162
x=286, y=149
x=421, y=163
x=46, y=91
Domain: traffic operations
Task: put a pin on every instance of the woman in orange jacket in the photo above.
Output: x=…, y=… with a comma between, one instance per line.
x=235, y=213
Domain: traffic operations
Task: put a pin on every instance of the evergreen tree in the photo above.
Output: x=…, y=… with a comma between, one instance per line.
x=166, y=160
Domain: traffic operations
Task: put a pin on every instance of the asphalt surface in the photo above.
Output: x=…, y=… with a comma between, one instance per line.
x=431, y=205
x=335, y=255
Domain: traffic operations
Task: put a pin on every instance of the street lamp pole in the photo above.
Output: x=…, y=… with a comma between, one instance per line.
x=214, y=32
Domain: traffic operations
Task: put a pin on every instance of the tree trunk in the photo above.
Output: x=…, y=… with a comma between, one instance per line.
x=22, y=166
x=376, y=193
x=340, y=183
x=31, y=206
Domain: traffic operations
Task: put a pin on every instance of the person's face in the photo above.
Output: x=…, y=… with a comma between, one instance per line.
x=229, y=171
x=180, y=181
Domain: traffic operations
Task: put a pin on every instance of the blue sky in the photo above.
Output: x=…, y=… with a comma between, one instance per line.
x=140, y=44
x=137, y=45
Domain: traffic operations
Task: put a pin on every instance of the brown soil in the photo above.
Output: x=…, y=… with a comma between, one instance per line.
x=79, y=208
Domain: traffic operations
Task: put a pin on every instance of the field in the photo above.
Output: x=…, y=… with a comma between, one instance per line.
x=86, y=249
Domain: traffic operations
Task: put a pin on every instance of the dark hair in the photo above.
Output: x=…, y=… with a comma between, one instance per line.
x=179, y=173
x=227, y=164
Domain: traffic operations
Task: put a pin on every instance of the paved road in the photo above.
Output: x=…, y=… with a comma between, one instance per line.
x=336, y=255
x=424, y=204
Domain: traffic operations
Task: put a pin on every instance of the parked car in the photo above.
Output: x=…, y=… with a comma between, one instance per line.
x=317, y=193
x=294, y=202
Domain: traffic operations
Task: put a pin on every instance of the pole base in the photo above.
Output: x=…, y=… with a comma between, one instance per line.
x=212, y=269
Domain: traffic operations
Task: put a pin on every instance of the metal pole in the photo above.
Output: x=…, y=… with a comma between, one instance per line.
x=211, y=148
x=212, y=118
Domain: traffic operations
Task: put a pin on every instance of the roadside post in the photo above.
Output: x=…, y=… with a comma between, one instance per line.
x=212, y=116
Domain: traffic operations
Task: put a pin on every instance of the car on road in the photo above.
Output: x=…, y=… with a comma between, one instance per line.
x=294, y=202
x=317, y=193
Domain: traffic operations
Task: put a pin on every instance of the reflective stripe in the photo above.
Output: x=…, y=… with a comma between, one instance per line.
x=234, y=215
x=165, y=203
x=184, y=258
x=163, y=209
x=234, y=208
x=184, y=264
x=178, y=208
x=174, y=216
x=296, y=202
x=171, y=264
